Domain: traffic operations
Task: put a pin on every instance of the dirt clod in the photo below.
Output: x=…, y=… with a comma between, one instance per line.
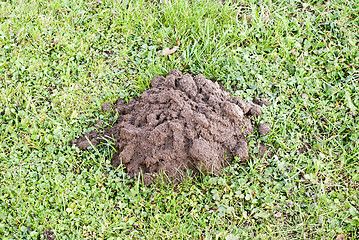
x=179, y=123
x=106, y=107
x=49, y=235
x=263, y=129
x=260, y=101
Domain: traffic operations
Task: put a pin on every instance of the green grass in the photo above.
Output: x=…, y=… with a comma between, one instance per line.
x=60, y=60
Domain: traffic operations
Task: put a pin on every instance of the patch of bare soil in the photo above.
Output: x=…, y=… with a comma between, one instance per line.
x=180, y=123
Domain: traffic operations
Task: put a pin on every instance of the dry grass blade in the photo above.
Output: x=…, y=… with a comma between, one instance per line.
x=168, y=51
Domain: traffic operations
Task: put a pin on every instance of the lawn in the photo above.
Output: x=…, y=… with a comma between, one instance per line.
x=61, y=60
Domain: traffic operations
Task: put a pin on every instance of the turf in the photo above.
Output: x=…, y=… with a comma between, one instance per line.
x=60, y=60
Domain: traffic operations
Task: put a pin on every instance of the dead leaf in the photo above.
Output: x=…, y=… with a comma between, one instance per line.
x=168, y=51
x=248, y=18
x=340, y=236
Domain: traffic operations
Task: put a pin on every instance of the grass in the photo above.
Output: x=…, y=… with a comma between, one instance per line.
x=60, y=60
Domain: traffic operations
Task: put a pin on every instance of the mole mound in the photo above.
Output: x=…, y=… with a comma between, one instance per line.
x=179, y=123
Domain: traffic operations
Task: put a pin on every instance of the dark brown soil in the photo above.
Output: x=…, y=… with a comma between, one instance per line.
x=179, y=123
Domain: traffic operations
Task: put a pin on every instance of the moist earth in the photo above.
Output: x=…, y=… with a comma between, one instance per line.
x=181, y=122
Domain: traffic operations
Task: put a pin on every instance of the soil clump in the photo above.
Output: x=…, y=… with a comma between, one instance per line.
x=181, y=122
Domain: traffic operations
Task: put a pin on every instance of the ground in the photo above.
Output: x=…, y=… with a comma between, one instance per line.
x=61, y=60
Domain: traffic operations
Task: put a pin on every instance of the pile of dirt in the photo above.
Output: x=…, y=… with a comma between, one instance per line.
x=179, y=123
